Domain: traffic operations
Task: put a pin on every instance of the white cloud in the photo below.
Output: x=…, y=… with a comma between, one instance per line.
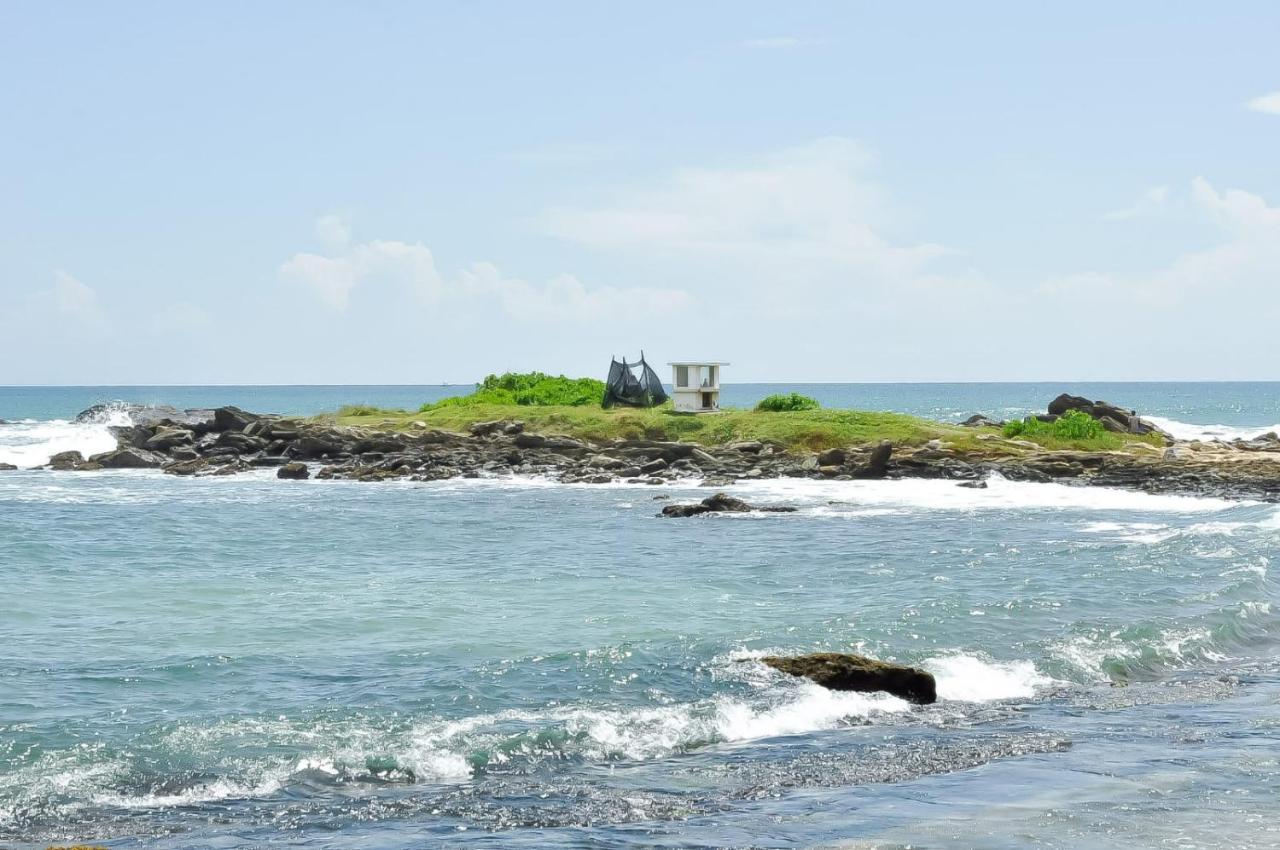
x=781, y=42
x=1245, y=261
x=411, y=268
x=813, y=207
x=72, y=296
x=1268, y=103
x=1151, y=200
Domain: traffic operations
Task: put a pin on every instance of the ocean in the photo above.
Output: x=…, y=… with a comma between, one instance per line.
x=244, y=662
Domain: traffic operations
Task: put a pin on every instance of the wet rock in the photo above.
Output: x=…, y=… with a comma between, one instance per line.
x=232, y=419
x=129, y=458
x=839, y=671
x=7, y=467
x=719, y=503
x=64, y=461
x=294, y=471
x=973, y=485
x=187, y=467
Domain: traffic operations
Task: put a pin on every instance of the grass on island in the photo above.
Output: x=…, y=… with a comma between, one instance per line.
x=571, y=406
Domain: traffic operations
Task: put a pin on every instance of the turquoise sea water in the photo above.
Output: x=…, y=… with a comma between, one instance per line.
x=244, y=662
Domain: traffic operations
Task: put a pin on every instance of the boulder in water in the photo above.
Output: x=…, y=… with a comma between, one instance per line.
x=719, y=503
x=7, y=467
x=294, y=471
x=64, y=461
x=839, y=671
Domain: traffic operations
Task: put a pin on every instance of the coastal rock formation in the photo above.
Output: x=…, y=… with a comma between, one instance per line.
x=840, y=671
x=294, y=470
x=7, y=467
x=229, y=440
x=719, y=503
x=1113, y=418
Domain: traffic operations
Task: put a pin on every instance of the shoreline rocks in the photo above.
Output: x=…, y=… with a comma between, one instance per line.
x=229, y=440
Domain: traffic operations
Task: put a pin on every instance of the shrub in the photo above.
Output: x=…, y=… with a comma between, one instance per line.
x=1072, y=425
x=529, y=389
x=782, y=402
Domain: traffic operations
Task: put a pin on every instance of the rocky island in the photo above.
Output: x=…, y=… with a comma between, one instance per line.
x=574, y=445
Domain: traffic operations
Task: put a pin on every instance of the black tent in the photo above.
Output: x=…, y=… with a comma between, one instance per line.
x=633, y=384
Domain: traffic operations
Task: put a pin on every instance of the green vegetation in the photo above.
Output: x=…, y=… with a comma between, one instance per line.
x=810, y=429
x=783, y=402
x=359, y=410
x=528, y=389
x=1073, y=430
x=1072, y=425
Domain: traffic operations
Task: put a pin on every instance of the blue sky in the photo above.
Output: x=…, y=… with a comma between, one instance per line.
x=425, y=192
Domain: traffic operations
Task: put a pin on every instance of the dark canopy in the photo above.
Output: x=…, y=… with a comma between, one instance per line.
x=633, y=385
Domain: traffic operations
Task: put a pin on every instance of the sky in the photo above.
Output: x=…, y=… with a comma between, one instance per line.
x=385, y=192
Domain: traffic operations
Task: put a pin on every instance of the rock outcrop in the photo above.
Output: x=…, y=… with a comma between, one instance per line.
x=840, y=671
x=1113, y=418
x=720, y=503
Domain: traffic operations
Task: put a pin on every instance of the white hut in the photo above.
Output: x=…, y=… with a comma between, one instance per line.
x=696, y=386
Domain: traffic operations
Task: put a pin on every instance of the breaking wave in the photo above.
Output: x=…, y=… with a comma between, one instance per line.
x=28, y=444
x=1226, y=433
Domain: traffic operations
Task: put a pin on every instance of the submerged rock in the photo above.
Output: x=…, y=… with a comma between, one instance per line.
x=840, y=671
x=719, y=503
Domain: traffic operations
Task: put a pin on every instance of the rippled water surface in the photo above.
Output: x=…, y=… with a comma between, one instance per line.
x=245, y=662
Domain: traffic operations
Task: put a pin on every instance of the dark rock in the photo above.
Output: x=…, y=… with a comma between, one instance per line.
x=978, y=420
x=186, y=467
x=241, y=442
x=839, y=671
x=294, y=471
x=232, y=419
x=719, y=503
x=749, y=446
x=129, y=458
x=653, y=466
x=7, y=467
x=64, y=461
x=973, y=485
x=877, y=465
x=832, y=457
x=530, y=441
x=166, y=438
x=1065, y=402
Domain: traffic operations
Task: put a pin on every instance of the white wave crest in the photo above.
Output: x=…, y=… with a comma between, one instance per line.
x=1225, y=433
x=29, y=444
x=1000, y=494
x=967, y=678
